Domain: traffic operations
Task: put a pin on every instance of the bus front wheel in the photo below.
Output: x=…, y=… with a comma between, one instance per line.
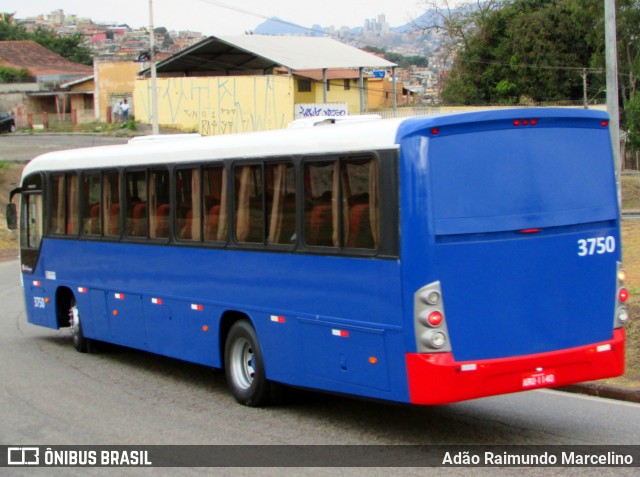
x=80, y=343
x=244, y=366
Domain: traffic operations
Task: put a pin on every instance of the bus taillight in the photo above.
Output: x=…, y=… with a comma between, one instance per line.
x=621, y=313
x=525, y=122
x=430, y=320
x=623, y=295
x=434, y=318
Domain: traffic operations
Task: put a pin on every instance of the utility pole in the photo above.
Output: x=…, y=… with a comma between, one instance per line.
x=154, y=77
x=585, y=100
x=612, y=85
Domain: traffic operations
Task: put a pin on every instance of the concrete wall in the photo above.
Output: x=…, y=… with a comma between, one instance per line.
x=218, y=105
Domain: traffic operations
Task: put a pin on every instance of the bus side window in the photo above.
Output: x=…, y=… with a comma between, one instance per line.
x=136, y=204
x=215, y=203
x=31, y=221
x=58, y=219
x=188, y=213
x=111, y=203
x=159, y=203
x=318, y=195
x=249, y=212
x=280, y=203
x=341, y=203
x=65, y=203
x=73, y=204
x=361, y=211
x=91, y=217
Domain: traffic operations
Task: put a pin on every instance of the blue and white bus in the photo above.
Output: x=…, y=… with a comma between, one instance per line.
x=424, y=260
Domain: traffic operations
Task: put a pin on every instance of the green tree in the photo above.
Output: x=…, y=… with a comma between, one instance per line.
x=536, y=47
x=14, y=75
x=540, y=46
x=401, y=60
x=632, y=120
x=69, y=46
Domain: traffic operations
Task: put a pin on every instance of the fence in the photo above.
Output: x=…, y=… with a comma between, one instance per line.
x=54, y=120
x=630, y=158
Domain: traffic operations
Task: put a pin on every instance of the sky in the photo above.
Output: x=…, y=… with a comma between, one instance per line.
x=221, y=17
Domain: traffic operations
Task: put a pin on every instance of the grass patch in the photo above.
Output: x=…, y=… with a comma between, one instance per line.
x=631, y=191
x=631, y=261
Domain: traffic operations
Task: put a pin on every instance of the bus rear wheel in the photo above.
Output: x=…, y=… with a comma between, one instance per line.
x=244, y=366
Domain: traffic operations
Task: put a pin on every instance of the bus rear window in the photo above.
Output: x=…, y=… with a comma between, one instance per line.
x=510, y=179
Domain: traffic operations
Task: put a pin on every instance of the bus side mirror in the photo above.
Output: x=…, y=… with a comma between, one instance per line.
x=12, y=216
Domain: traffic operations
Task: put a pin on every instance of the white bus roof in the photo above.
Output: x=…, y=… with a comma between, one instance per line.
x=343, y=137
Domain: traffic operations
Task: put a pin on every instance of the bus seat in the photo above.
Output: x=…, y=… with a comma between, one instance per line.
x=162, y=220
x=212, y=223
x=185, y=230
x=94, y=215
x=320, y=226
x=114, y=219
x=360, y=235
x=289, y=219
x=139, y=220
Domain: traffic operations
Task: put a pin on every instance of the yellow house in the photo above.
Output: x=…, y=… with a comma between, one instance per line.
x=343, y=86
x=114, y=82
x=380, y=93
x=224, y=85
x=81, y=98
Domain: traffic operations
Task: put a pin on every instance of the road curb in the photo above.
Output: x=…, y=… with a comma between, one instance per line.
x=603, y=390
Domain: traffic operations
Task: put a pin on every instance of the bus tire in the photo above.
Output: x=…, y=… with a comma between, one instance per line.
x=244, y=366
x=80, y=343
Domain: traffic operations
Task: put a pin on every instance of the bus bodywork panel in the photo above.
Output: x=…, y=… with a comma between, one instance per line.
x=519, y=224
x=440, y=379
x=347, y=341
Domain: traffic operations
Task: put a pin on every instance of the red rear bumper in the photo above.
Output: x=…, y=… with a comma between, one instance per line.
x=438, y=379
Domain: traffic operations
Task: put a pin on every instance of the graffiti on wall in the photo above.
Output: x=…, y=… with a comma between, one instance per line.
x=219, y=105
x=328, y=109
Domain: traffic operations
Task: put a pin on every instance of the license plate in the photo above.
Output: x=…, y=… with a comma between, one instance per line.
x=538, y=378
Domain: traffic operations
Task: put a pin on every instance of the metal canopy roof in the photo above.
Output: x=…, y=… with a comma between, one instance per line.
x=261, y=52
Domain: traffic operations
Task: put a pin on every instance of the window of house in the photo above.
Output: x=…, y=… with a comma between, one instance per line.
x=304, y=86
x=347, y=85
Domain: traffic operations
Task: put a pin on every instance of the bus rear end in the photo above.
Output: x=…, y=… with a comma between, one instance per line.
x=511, y=253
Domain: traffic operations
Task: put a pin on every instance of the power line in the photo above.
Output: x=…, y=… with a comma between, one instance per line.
x=533, y=66
x=288, y=23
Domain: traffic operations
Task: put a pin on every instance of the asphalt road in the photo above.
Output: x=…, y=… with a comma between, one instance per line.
x=52, y=395
x=24, y=147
